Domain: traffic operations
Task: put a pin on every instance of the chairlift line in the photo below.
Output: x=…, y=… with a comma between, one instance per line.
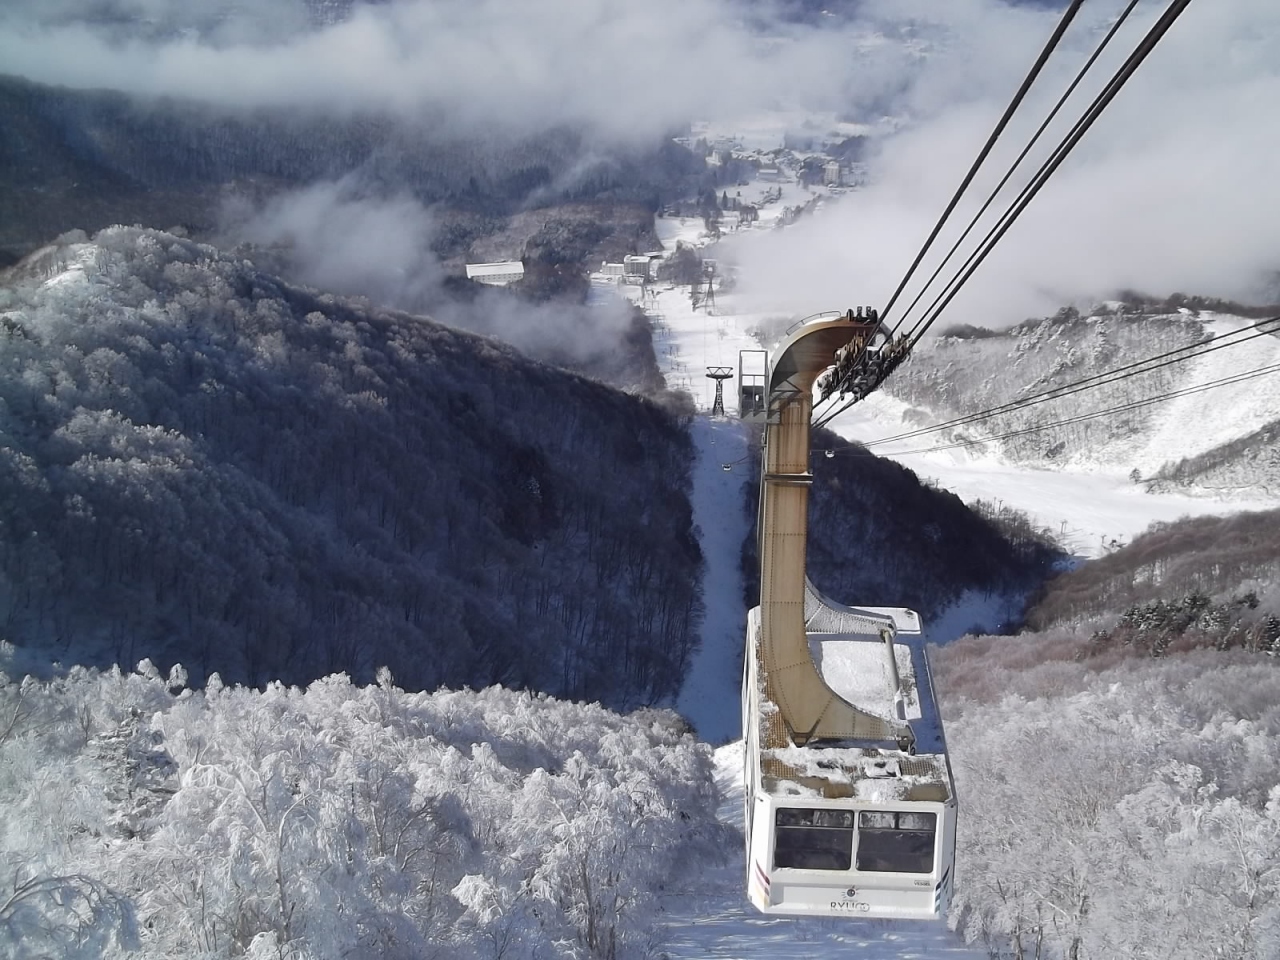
x=1096, y=414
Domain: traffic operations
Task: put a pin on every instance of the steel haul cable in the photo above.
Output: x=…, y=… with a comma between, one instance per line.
x=1016, y=102
x=1035, y=138
x=1137, y=368
x=1051, y=165
x=1047, y=169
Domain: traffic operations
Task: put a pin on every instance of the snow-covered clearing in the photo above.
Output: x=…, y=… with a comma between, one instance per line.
x=1090, y=512
x=1238, y=409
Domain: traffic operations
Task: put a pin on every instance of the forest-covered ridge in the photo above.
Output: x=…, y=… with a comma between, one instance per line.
x=208, y=465
x=879, y=535
x=85, y=159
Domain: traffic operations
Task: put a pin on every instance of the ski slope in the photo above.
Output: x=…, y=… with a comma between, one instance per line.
x=1090, y=512
x=709, y=697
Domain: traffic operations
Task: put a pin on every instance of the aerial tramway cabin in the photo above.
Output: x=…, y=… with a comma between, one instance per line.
x=850, y=804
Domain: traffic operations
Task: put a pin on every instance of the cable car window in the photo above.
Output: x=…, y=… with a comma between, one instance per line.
x=896, y=842
x=813, y=839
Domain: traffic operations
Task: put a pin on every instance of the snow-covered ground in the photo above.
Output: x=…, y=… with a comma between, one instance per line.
x=1090, y=512
x=709, y=698
x=1238, y=409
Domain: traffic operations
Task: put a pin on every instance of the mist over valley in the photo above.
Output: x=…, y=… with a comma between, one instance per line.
x=353, y=599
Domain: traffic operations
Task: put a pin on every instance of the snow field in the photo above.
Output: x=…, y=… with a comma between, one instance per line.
x=709, y=698
x=1090, y=512
x=1183, y=429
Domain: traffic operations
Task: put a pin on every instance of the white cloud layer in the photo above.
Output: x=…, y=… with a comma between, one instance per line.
x=342, y=240
x=1174, y=189
x=628, y=68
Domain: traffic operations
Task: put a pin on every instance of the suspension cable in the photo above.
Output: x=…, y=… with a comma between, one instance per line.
x=1018, y=97
x=825, y=418
x=1050, y=166
x=1035, y=138
x=1138, y=367
x=1028, y=193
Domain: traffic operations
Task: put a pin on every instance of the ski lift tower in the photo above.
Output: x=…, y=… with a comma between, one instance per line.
x=719, y=375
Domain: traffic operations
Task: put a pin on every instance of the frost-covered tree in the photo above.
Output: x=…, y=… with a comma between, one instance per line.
x=200, y=463
x=341, y=821
x=1129, y=813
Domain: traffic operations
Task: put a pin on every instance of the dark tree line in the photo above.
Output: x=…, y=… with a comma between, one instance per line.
x=86, y=159
x=201, y=463
x=878, y=536
x=1191, y=622
x=1202, y=556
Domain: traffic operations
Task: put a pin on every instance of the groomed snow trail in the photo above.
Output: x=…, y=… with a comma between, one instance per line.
x=708, y=699
x=713, y=918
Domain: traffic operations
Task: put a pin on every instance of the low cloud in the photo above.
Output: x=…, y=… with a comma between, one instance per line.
x=339, y=238
x=625, y=69
x=1173, y=190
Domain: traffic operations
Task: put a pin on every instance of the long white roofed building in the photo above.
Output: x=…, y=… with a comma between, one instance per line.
x=496, y=274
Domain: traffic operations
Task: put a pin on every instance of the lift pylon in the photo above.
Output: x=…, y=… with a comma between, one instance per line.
x=719, y=375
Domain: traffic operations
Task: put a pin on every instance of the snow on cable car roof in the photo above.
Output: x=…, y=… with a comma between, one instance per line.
x=850, y=655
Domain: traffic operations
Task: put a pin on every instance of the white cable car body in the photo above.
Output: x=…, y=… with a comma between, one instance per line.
x=850, y=802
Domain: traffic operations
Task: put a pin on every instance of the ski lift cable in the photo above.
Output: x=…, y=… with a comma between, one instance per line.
x=1050, y=166
x=1093, y=415
x=1101, y=101
x=1035, y=138
x=1169, y=358
x=822, y=419
x=1012, y=108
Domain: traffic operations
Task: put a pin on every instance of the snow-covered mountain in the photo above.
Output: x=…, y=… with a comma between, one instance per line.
x=1213, y=441
x=205, y=464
